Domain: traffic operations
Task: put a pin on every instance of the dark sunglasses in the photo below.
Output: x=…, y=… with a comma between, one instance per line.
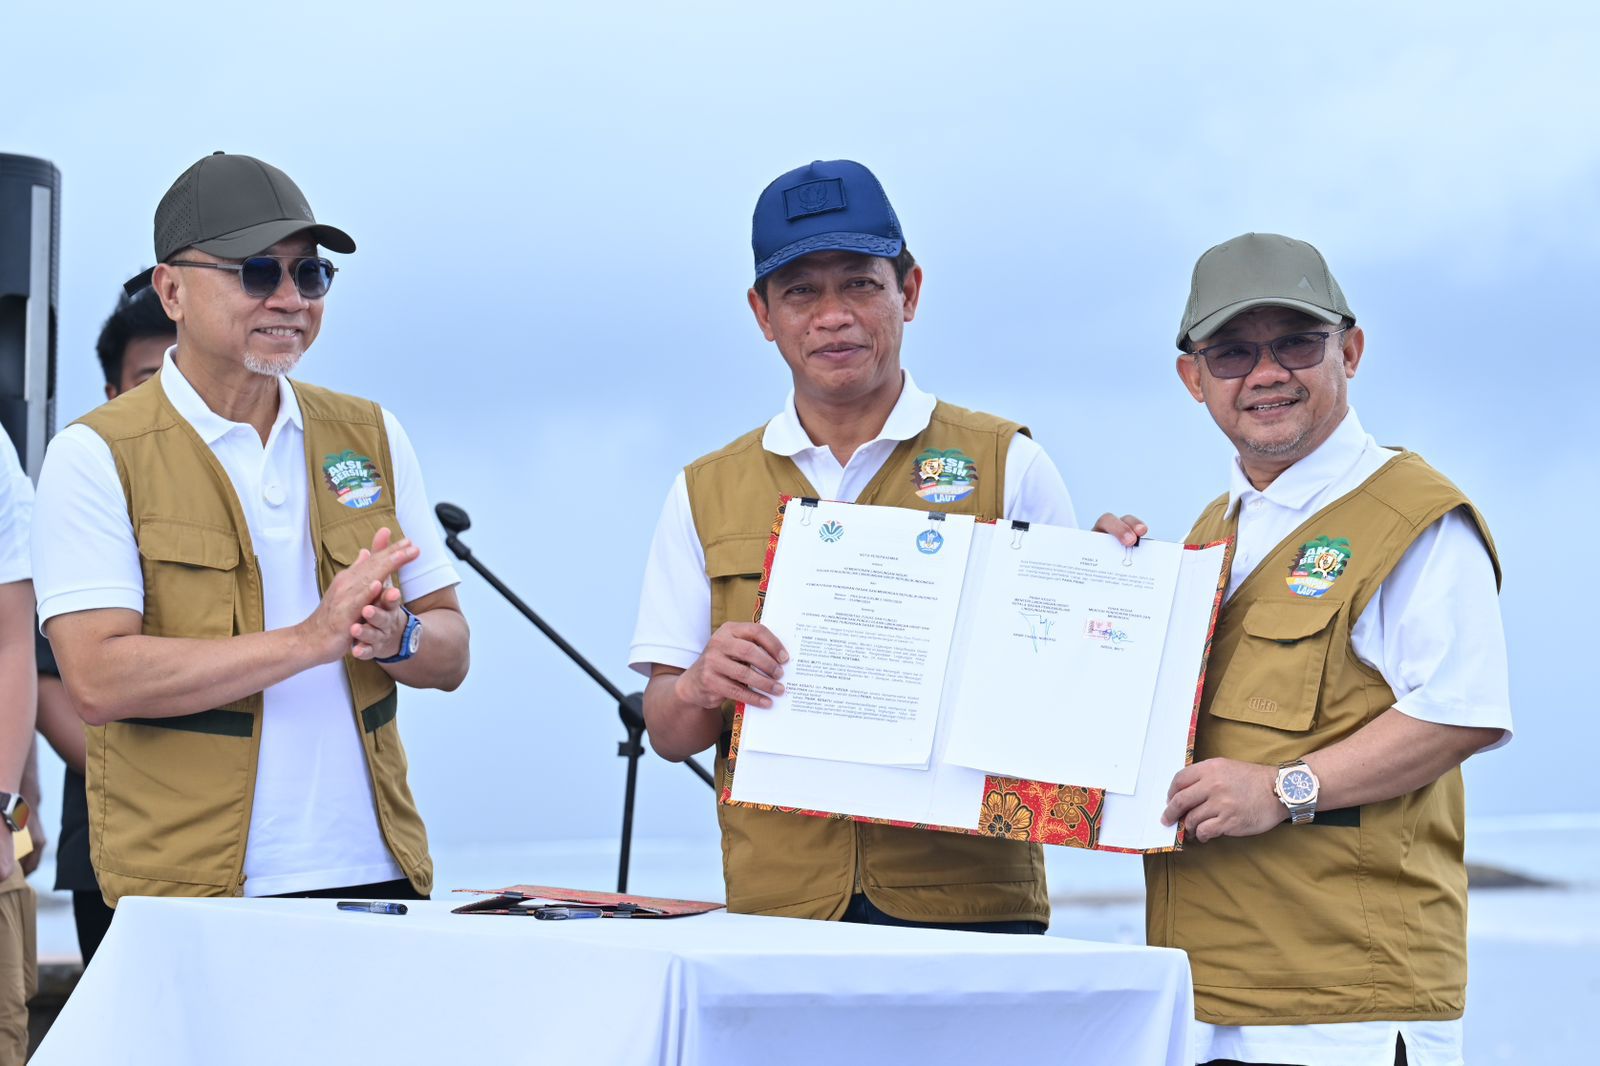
x=1296, y=351
x=260, y=275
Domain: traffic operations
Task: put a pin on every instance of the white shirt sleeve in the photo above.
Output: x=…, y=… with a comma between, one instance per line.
x=85, y=557
x=1434, y=632
x=675, y=601
x=432, y=569
x=16, y=512
x=1034, y=489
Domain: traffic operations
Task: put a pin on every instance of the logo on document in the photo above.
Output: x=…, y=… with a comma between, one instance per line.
x=1319, y=566
x=830, y=532
x=944, y=476
x=929, y=542
x=353, y=479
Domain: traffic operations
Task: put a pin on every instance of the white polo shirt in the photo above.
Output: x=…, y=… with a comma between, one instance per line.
x=1433, y=631
x=675, y=603
x=313, y=824
x=16, y=509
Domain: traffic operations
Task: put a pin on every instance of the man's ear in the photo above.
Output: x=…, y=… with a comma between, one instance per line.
x=763, y=314
x=165, y=282
x=1355, y=342
x=1189, y=370
x=913, y=291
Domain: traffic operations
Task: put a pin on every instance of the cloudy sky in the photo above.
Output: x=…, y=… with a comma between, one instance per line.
x=552, y=206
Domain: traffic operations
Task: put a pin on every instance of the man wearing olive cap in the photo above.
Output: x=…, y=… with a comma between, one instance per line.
x=1358, y=660
x=834, y=288
x=225, y=575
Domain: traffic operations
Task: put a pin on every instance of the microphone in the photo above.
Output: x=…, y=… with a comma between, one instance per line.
x=453, y=518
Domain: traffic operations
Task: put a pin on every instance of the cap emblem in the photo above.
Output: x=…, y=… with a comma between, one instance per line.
x=814, y=198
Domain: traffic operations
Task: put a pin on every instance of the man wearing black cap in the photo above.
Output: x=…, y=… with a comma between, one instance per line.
x=225, y=581
x=834, y=287
x=1358, y=660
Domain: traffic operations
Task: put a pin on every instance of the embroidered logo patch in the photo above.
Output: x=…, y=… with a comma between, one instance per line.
x=944, y=476
x=830, y=532
x=1319, y=566
x=353, y=479
x=929, y=541
x=814, y=198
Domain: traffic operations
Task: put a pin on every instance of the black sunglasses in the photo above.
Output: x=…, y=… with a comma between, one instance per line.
x=260, y=275
x=1296, y=351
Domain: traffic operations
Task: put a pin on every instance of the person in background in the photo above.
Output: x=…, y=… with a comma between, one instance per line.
x=18, y=955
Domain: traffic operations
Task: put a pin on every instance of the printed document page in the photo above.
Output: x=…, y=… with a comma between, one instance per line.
x=864, y=599
x=1069, y=634
x=941, y=794
x=1134, y=822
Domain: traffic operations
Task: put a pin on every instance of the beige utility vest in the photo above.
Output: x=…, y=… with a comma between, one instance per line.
x=1362, y=914
x=170, y=798
x=807, y=867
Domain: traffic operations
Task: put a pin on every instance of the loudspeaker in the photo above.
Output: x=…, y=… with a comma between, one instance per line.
x=30, y=247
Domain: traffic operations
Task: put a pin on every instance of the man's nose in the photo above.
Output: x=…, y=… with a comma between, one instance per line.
x=1267, y=371
x=833, y=311
x=286, y=297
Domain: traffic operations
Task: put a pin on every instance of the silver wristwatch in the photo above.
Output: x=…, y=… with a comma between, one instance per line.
x=1297, y=788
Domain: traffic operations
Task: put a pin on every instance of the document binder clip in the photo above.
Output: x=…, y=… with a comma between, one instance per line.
x=807, y=505
x=936, y=516
x=1017, y=530
x=1127, y=555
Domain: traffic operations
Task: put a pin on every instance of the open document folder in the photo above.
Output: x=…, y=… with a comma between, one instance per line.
x=943, y=672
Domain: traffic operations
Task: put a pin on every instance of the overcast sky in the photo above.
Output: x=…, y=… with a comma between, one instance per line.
x=552, y=209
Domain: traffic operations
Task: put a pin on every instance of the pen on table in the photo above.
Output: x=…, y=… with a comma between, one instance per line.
x=373, y=907
x=559, y=913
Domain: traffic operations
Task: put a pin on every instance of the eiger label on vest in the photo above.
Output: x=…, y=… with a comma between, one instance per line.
x=353, y=479
x=947, y=476
x=1320, y=563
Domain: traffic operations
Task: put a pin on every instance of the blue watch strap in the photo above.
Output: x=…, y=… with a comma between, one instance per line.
x=407, y=637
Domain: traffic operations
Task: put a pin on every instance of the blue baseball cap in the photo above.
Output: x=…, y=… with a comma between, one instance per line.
x=832, y=206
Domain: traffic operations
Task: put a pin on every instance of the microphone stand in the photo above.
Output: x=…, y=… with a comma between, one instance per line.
x=630, y=707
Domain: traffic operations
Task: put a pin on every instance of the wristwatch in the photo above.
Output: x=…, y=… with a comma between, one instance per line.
x=14, y=810
x=410, y=640
x=1297, y=787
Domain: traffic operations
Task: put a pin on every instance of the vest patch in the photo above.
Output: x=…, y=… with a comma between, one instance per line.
x=944, y=476
x=1319, y=566
x=1262, y=703
x=353, y=479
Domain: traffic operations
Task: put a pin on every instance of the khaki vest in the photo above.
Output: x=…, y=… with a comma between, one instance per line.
x=170, y=798
x=807, y=867
x=1361, y=915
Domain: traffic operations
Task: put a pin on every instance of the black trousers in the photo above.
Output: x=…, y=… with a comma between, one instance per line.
x=862, y=912
x=93, y=918
x=1399, y=1057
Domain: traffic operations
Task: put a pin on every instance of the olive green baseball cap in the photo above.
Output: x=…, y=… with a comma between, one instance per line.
x=1259, y=270
x=234, y=206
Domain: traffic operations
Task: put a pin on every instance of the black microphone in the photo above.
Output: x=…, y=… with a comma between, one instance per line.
x=453, y=518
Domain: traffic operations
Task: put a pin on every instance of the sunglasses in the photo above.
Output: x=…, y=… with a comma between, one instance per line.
x=1296, y=351
x=260, y=275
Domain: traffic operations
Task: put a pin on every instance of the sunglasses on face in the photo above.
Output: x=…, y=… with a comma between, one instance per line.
x=1295, y=351
x=260, y=275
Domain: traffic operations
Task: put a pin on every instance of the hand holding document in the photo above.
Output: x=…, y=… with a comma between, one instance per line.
x=942, y=670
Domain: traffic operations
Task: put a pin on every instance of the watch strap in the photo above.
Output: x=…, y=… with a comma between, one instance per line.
x=413, y=623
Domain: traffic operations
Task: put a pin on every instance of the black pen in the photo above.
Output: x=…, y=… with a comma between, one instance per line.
x=373, y=907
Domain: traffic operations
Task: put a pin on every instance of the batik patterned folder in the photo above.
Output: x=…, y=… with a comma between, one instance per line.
x=513, y=899
x=1036, y=811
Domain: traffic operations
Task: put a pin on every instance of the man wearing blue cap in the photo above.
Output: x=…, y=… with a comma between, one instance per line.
x=834, y=288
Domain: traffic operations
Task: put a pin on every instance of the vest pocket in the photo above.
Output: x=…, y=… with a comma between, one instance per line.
x=734, y=566
x=1275, y=673
x=188, y=578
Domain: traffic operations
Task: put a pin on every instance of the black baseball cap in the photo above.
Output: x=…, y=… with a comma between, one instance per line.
x=234, y=206
x=834, y=205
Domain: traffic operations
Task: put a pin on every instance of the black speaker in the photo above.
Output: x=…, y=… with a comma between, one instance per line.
x=30, y=247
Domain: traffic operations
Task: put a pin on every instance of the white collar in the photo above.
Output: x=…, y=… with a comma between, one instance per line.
x=786, y=436
x=1295, y=487
x=211, y=426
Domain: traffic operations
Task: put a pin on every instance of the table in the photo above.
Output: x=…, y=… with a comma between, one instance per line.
x=273, y=981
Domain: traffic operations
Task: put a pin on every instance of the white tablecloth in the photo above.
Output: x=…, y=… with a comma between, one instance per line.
x=278, y=982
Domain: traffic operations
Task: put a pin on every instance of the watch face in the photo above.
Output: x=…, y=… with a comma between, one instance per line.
x=1297, y=786
x=414, y=639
